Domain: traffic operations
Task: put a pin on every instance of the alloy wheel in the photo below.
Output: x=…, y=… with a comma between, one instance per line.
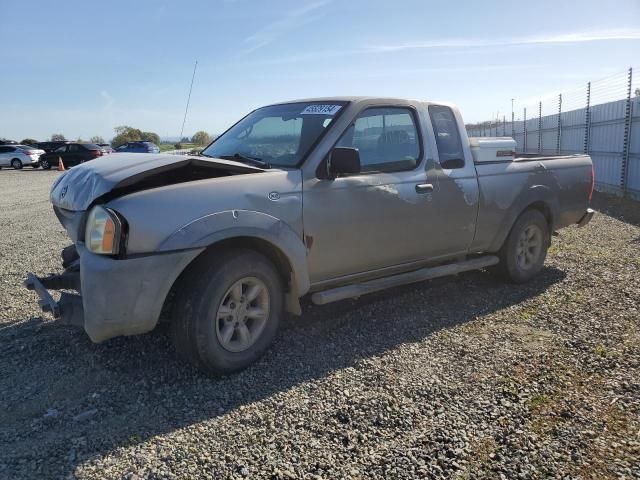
x=242, y=314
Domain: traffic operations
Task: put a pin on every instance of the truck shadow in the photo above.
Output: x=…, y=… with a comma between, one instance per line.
x=138, y=388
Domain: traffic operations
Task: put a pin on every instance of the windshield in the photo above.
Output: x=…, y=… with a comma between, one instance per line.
x=279, y=135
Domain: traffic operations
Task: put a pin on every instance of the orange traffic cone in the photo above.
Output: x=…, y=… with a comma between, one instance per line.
x=60, y=164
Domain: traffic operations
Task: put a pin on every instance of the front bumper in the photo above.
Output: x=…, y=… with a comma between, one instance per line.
x=586, y=218
x=118, y=296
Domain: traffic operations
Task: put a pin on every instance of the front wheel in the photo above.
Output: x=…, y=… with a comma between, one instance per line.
x=525, y=249
x=45, y=164
x=227, y=310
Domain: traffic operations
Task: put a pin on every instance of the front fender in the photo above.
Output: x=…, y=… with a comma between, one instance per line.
x=215, y=227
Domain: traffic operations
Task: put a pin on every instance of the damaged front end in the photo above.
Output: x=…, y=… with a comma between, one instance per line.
x=68, y=310
x=137, y=222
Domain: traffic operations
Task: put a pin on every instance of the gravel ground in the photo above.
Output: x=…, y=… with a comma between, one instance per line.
x=467, y=377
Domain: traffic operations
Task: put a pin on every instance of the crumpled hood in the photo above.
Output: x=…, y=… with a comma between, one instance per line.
x=80, y=186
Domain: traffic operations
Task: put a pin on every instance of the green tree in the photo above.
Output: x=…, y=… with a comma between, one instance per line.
x=96, y=139
x=57, y=137
x=125, y=134
x=151, y=137
x=201, y=138
x=28, y=141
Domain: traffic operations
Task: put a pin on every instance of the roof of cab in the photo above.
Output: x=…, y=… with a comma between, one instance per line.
x=355, y=99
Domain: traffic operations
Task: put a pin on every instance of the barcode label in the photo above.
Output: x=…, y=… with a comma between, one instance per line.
x=321, y=109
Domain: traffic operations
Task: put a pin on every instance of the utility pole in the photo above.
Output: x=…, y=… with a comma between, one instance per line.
x=513, y=128
x=188, y=99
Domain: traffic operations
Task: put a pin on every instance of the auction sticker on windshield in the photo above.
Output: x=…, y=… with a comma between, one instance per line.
x=321, y=109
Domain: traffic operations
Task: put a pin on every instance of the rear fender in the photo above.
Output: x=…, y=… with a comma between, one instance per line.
x=536, y=195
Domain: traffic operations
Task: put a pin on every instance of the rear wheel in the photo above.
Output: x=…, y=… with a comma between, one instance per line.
x=525, y=249
x=16, y=164
x=227, y=310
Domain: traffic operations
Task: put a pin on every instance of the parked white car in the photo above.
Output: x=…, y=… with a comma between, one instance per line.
x=17, y=156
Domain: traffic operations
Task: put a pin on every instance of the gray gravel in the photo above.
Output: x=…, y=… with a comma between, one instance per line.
x=461, y=378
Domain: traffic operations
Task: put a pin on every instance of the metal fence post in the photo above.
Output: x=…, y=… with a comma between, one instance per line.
x=587, y=121
x=525, y=130
x=540, y=127
x=627, y=137
x=504, y=125
x=559, y=135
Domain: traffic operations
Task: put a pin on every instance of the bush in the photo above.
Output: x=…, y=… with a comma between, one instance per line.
x=178, y=146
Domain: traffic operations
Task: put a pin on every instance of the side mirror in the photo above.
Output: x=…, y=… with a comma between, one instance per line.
x=343, y=161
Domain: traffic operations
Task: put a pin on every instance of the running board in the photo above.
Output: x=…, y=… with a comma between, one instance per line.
x=359, y=289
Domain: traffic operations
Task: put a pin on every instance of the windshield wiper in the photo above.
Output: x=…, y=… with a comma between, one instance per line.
x=246, y=159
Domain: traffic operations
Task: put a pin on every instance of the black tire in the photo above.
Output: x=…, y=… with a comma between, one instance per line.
x=16, y=163
x=195, y=324
x=45, y=164
x=520, y=262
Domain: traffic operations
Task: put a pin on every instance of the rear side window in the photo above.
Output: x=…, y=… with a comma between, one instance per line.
x=387, y=139
x=447, y=136
x=6, y=149
x=75, y=148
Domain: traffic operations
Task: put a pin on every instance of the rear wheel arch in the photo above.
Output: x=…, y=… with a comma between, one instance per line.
x=542, y=207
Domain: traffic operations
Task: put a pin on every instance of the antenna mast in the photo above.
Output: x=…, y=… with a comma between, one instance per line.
x=188, y=100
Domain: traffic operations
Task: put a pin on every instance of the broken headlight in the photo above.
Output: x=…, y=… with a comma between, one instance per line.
x=103, y=231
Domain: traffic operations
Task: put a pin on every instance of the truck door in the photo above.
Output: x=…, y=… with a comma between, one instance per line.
x=388, y=215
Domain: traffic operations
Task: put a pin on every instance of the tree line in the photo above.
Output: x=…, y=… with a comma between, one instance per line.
x=125, y=134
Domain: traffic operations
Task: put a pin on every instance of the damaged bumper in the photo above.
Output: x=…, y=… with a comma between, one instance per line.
x=117, y=296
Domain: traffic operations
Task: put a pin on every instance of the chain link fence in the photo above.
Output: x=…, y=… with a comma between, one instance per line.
x=601, y=118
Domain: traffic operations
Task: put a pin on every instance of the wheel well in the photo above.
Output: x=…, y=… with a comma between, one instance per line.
x=542, y=208
x=269, y=250
x=273, y=253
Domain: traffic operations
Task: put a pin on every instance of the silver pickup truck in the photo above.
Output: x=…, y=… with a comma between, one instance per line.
x=331, y=197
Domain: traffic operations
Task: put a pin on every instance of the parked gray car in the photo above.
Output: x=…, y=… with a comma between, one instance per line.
x=335, y=198
x=17, y=156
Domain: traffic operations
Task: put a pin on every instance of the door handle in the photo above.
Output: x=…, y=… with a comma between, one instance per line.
x=424, y=188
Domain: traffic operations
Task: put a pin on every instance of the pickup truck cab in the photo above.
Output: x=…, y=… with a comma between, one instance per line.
x=332, y=197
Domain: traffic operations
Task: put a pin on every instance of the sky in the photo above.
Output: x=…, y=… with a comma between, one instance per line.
x=83, y=67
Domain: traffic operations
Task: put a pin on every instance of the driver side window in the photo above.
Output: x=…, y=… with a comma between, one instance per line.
x=387, y=139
